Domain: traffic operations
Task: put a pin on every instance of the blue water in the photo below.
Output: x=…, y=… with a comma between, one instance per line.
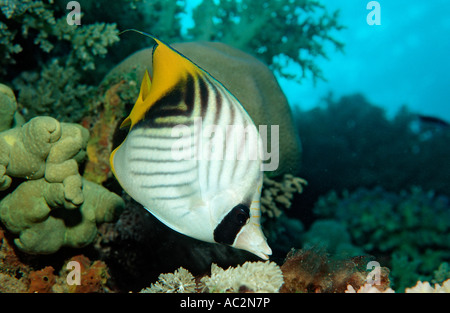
x=405, y=60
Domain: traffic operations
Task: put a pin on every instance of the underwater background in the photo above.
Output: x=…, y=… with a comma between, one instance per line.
x=370, y=180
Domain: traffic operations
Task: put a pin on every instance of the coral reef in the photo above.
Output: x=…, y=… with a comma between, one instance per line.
x=411, y=229
x=19, y=277
x=103, y=125
x=248, y=277
x=332, y=237
x=138, y=248
x=313, y=271
x=180, y=281
x=13, y=273
x=54, y=206
x=276, y=194
x=42, y=281
x=43, y=147
x=56, y=91
x=396, y=153
x=425, y=287
x=94, y=277
x=54, y=83
x=239, y=24
x=45, y=221
x=8, y=109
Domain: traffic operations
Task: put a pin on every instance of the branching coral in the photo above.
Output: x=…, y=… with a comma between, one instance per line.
x=411, y=228
x=279, y=194
x=56, y=91
x=251, y=276
x=38, y=21
x=296, y=30
x=181, y=281
x=27, y=11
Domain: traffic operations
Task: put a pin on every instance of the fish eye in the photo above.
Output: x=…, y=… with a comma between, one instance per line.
x=231, y=224
x=241, y=214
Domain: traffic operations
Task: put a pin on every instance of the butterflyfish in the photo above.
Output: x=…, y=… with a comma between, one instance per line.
x=192, y=155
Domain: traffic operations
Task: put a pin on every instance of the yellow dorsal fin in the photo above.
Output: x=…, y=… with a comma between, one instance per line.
x=169, y=68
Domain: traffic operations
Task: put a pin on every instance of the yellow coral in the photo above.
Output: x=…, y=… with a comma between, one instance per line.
x=425, y=287
x=281, y=193
x=181, y=281
x=254, y=276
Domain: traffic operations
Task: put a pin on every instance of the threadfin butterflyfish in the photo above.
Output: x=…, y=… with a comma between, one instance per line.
x=192, y=156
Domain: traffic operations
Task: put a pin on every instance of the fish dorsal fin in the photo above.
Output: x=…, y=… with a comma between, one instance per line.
x=169, y=69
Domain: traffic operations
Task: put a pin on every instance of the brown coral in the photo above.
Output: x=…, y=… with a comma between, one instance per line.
x=313, y=271
x=277, y=194
x=97, y=168
x=93, y=276
x=13, y=273
x=42, y=281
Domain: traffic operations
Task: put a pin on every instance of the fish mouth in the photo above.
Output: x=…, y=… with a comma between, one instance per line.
x=251, y=239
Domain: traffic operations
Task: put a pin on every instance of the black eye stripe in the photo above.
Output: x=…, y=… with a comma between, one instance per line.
x=231, y=224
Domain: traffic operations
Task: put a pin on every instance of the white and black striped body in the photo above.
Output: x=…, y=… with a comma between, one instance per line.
x=194, y=162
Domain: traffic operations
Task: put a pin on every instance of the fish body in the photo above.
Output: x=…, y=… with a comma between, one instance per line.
x=192, y=156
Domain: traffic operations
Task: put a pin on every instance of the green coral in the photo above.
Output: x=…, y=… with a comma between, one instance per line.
x=57, y=91
x=57, y=86
x=274, y=31
x=8, y=109
x=44, y=220
x=412, y=228
x=54, y=206
x=331, y=236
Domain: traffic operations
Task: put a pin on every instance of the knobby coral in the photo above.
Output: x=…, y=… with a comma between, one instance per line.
x=54, y=206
